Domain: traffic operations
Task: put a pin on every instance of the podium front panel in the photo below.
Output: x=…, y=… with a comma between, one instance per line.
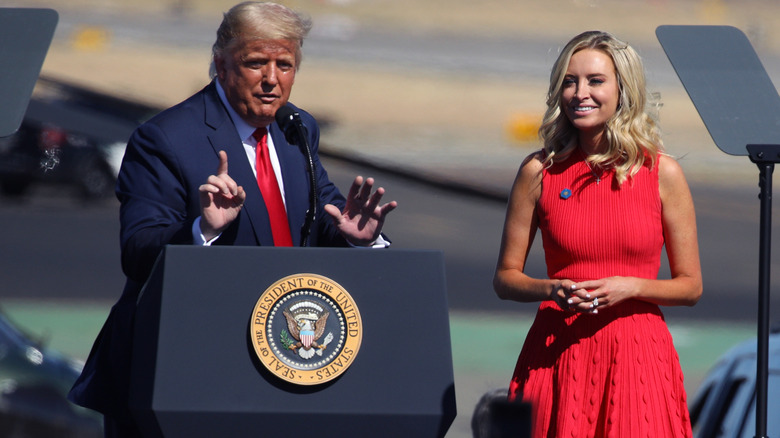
x=196, y=373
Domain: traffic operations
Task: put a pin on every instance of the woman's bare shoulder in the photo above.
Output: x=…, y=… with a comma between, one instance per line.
x=534, y=162
x=669, y=170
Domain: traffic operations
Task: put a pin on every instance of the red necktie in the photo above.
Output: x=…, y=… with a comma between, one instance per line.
x=269, y=187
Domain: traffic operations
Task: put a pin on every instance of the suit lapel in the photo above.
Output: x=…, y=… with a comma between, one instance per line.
x=296, y=193
x=224, y=137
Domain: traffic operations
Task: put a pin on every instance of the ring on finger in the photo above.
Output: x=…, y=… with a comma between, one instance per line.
x=596, y=302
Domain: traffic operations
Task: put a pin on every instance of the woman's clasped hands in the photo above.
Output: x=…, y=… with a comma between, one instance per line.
x=589, y=296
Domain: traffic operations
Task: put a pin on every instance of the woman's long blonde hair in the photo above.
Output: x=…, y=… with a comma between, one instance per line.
x=632, y=135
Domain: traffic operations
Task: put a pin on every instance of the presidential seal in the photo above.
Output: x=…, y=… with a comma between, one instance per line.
x=306, y=329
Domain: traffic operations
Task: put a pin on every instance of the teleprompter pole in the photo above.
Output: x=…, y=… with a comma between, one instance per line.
x=765, y=157
x=719, y=69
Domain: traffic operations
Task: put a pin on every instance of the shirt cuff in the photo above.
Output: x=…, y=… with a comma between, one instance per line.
x=197, y=236
x=380, y=242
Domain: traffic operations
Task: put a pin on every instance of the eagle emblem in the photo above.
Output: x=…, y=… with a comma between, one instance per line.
x=306, y=329
x=306, y=322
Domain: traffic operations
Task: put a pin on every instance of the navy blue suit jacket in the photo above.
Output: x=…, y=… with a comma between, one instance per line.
x=166, y=160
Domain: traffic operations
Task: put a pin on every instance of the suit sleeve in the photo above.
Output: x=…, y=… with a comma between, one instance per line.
x=154, y=208
x=327, y=192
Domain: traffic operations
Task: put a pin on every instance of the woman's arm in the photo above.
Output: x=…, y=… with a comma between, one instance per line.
x=521, y=223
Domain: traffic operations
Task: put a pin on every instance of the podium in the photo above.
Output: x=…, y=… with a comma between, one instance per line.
x=197, y=369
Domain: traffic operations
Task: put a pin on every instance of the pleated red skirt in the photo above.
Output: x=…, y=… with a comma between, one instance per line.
x=611, y=374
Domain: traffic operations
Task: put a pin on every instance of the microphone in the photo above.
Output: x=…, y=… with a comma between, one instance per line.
x=290, y=121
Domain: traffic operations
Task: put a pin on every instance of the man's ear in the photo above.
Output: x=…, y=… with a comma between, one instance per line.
x=219, y=67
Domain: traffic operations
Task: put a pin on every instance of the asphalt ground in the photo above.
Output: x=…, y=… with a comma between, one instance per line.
x=484, y=345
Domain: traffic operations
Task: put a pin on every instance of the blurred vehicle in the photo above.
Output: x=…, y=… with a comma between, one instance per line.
x=70, y=135
x=34, y=382
x=725, y=404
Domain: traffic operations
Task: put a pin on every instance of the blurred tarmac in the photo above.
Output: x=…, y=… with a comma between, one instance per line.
x=447, y=127
x=455, y=99
x=484, y=346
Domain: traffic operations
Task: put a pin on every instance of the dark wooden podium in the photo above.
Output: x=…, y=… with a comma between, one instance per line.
x=196, y=371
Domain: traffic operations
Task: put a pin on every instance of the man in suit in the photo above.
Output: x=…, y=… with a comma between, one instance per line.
x=192, y=175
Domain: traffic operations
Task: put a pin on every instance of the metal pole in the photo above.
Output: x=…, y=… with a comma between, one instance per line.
x=762, y=157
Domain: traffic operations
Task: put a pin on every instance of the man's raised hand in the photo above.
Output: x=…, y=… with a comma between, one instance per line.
x=362, y=219
x=221, y=199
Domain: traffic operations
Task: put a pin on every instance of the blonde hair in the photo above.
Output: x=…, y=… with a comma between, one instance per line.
x=631, y=134
x=259, y=21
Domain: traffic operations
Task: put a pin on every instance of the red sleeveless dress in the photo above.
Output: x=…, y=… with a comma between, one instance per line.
x=615, y=373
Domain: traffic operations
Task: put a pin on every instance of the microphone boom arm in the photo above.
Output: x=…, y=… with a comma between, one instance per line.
x=295, y=133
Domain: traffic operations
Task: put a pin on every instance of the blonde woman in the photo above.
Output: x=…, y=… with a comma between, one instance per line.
x=599, y=359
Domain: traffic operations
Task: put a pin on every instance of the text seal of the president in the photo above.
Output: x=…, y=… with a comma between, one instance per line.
x=306, y=329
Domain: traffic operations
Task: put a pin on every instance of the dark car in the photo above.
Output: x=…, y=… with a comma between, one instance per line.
x=34, y=382
x=725, y=404
x=70, y=135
